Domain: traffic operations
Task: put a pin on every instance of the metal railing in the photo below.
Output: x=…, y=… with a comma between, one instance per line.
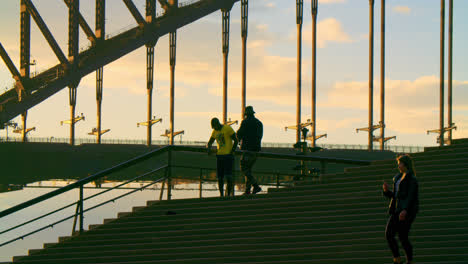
x=79, y=213
x=80, y=141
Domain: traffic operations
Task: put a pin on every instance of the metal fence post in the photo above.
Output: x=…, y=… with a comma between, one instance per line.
x=201, y=182
x=169, y=184
x=323, y=165
x=81, y=209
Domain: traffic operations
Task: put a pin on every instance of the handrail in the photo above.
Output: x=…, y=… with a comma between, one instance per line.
x=161, y=151
x=281, y=156
x=254, y=172
x=88, y=209
x=84, y=181
x=87, y=198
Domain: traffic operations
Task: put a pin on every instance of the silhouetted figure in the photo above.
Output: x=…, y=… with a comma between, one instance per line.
x=403, y=208
x=250, y=136
x=227, y=144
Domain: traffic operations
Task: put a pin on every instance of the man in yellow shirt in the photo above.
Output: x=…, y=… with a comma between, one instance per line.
x=227, y=144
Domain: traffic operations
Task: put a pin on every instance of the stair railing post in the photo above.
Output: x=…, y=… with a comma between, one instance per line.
x=81, y=209
x=169, y=184
x=161, y=193
x=277, y=181
x=75, y=219
x=201, y=182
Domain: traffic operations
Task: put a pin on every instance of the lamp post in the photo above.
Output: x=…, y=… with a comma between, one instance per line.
x=244, y=26
x=382, y=75
x=371, y=73
x=442, y=78
x=314, y=5
x=299, y=20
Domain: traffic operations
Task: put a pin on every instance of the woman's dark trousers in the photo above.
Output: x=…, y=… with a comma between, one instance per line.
x=394, y=225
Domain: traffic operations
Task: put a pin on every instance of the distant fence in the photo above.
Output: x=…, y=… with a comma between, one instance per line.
x=79, y=141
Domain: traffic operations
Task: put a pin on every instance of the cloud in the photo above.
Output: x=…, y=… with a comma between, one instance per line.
x=329, y=30
x=461, y=121
x=410, y=106
x=402, y=10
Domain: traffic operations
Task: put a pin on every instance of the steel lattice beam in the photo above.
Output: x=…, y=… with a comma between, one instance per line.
x=87, y=30
x=16, y=75
x=56, y=78
x=135, y=13
x=46, y=32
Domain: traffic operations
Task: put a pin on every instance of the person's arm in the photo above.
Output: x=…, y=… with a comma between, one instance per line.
x=234, y=143
x=386, y=190
x=241, y=130
x=209, y=144
x=408, y=203
x=260, y=130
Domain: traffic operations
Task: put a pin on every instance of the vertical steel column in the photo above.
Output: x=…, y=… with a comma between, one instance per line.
x=172, y=62
x=371, y=73
x=314, y=6
x=225, y=24
x=24, y=117
x=299, y=12
x=382, y=75
x=99, y=88
x=25, y=54
x=72, y=102
x=450, y=64
x=442, y=78
x=100, y=35
x=73, y=47
x=149, y=88
x=150, y=18
x=244, y=26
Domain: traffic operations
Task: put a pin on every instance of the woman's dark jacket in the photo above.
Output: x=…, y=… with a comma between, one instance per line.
x=407, y=196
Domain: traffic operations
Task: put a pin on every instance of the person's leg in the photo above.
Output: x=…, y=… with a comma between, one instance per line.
x=244, y=164
x=403, y=234
x=247, y=162
x=390, y=232
x=228, y=164
x=220, y=174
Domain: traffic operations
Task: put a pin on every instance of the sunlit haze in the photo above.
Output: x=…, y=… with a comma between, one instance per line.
x=412, y=71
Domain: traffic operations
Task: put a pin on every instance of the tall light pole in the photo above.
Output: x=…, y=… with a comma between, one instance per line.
x=244, y=26
x=450, y=64
x=172, y=62
x=442, y=78
x=100, y=33
x=371, y=73
x=382, y=75
x=314, y=5
x=299, y=20
x=225, y=39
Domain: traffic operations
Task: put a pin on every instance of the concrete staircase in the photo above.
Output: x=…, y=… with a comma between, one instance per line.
x=339, y=220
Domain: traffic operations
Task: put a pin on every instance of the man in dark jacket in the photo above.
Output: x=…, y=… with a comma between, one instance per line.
x=250, y=135
x=404, y=206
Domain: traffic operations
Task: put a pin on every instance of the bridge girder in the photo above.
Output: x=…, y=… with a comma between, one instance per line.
x=104, y=52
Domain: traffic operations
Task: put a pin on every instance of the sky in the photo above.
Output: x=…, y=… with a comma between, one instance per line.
x=412, y=71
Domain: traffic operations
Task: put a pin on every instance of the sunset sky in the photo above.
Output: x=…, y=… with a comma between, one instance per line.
x=412, y=71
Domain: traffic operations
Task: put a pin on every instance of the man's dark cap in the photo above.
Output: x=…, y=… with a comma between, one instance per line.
x=249, y=110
